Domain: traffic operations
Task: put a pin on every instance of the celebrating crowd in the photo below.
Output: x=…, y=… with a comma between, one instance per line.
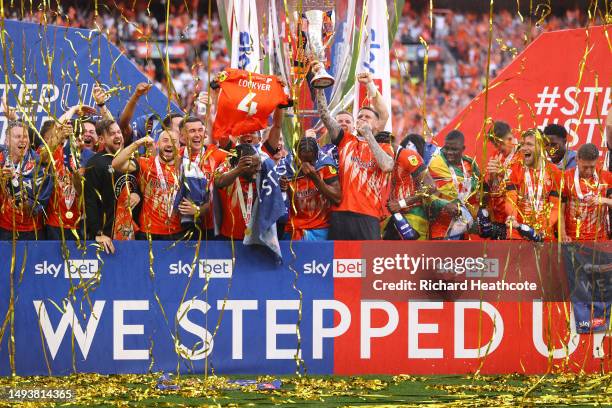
x=90, y=176
x=456, y=75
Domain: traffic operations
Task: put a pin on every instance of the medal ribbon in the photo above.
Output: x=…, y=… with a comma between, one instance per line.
x=168, y=195
x=581, y=210
x=245, y=209
x=465, y=188
x=536, y=200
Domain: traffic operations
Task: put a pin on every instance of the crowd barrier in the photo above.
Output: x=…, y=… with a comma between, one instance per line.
x=232, y=309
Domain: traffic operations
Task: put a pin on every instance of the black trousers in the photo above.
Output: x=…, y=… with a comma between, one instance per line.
x=350, y=226
x=6, y=235
x=55, y=234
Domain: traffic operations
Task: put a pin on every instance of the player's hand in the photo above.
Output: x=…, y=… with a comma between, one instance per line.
x=134, y=200
x=316, y=66
x=364, y=77
x=393, y=206
x=85, y=110
x=204, y=98
x=592, y=200
x=310, y=133
x=512, y=222
x=142, y=88
x=309, y=171
x=99, y=95
x=145, y=141
x=564, y=238
x=364, y=129
x=106, y=243
x=244, y=163
x=64, y=131
x=494, y=165
x=7, y=173
x=10, y=113
x=187, y=207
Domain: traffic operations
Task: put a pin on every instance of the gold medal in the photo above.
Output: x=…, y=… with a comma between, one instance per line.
x=69, y=215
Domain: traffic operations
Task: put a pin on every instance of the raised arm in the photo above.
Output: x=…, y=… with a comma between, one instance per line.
x=377, y=100
x=128, y=112
x=122, y=162
x=330, y=123
x=100, y=97
x=225, y=179
x=384, y=161
x=274, y=135
x=60, y=130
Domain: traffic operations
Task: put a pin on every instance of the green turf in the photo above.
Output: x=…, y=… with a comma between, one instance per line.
x=328, y=391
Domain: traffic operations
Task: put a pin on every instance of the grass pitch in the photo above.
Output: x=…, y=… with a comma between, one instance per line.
x=325, y=391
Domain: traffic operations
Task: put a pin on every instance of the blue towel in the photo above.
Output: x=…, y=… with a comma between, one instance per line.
x=267, y=209
x=194, y=184
x=35, y=184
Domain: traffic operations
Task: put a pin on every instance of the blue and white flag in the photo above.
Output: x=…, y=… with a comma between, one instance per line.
x=194, y=184
x=32, y=183
x=245, y=35
x=267, y=209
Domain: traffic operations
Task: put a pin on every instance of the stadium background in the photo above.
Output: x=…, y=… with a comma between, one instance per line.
x=453, y=81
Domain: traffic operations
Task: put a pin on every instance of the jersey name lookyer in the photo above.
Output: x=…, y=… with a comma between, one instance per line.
x=254, y=85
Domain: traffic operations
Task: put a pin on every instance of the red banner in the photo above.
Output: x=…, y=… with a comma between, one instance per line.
x=424, y=337
x=562, y=77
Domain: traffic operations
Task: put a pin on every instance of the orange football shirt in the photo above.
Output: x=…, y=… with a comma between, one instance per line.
x=246, y=100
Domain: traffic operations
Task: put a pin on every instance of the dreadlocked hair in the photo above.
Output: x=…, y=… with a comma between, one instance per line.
x=308, y=144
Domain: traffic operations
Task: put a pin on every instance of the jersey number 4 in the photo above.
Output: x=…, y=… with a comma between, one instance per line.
x=248, y=105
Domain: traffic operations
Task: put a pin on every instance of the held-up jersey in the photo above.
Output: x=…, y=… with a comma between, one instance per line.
x=246, y=100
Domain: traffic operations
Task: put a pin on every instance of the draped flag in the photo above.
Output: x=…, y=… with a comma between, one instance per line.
x=31, y=183
x=245, y=36
x=374, y=54
x=267, y=209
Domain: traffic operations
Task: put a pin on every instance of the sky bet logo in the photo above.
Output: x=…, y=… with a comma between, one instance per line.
x=342, y=268
x=73, y=268
x=214, y=268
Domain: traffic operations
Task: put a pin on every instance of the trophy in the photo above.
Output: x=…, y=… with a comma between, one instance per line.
x=315, y=17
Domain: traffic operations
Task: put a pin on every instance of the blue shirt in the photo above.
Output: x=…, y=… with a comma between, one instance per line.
x=430, y=151
x=568, y=162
